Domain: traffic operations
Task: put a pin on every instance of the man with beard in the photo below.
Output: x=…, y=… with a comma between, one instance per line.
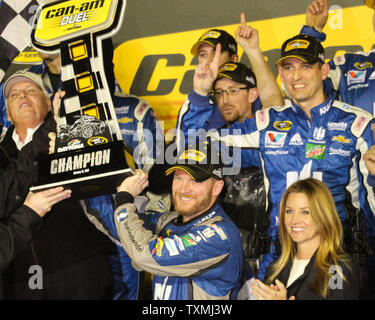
x=216, y=48
x=194, y=252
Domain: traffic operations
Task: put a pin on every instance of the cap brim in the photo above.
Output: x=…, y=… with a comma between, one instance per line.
x=13, y=80
x=194, y=173
x=195, y=48
x=221, y=75
x=302, y=58
x=239, y=80
x=9, y=83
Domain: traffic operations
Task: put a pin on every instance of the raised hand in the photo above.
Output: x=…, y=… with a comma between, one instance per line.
x=246, y=36
x=317, y=14
x=56, y=103
x=205, y=74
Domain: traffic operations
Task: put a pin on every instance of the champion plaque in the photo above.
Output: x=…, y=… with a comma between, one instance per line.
x=90, y=156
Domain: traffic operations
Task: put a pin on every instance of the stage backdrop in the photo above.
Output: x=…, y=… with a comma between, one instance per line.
x=152, y=50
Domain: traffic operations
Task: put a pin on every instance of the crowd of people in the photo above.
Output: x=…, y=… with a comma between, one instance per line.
x=269, y=197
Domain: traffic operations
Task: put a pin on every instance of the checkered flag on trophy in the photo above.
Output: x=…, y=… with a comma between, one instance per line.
x=91, y=158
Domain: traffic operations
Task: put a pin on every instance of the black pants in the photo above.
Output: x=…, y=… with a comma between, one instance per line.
x=86, y=279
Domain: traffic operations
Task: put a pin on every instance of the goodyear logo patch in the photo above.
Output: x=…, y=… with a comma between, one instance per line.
x=283, y=125
x=297, y=44
x=341, y=139
x=194, y=155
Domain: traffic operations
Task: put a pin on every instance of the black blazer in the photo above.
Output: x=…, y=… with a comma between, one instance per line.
x=349, y=290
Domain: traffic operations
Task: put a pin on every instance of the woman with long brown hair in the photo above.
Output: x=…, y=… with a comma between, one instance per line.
x=312, y=264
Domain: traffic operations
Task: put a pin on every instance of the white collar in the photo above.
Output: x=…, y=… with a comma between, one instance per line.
x=29, y=137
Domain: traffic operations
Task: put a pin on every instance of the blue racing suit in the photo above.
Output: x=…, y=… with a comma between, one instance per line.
x=329, y=147
x=351, y=76
x=134, y=116
x=198, y=113
x=198, y=259
x=3, y=109
x=191, y=116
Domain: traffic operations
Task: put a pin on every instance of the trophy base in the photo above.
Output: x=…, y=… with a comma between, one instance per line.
x=88, y=172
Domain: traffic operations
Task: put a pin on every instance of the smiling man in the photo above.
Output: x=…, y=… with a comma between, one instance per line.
x=215, y=48
x=66, y=245
x=27, y=105
x=351, y=75
x=193, y=252
x=312, y=136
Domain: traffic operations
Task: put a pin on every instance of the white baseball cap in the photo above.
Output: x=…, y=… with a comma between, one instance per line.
x=23, y=75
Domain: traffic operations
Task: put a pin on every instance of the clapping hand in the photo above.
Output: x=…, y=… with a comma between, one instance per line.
x=275, y=291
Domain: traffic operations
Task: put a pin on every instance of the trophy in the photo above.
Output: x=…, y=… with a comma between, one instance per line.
x=90, y=156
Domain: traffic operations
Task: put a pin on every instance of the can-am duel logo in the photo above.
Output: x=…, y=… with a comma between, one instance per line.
x=74, y=14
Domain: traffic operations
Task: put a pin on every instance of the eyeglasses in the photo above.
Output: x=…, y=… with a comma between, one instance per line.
x=230, y=92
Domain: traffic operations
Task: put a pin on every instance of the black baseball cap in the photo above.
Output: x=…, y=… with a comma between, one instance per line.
x=303, y=47
x=370, y=3
x=200, y=162
x=213, y=37
x=237, y=72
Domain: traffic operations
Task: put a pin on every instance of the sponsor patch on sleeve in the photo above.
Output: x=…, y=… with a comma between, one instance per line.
x=122, y=215
x=171, y=247
x=219, y=231
x=159, y=247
